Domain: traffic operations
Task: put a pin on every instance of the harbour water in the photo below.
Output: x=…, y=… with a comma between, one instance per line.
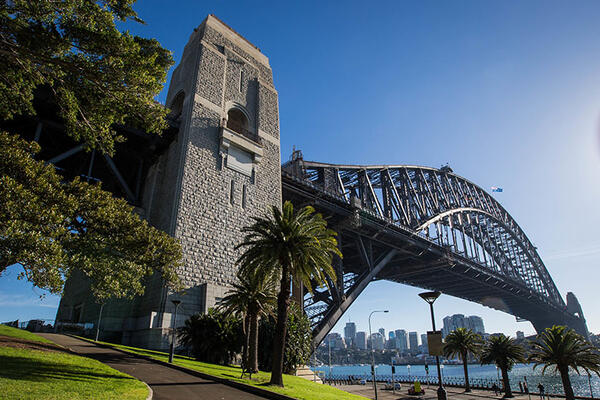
x=454, y=373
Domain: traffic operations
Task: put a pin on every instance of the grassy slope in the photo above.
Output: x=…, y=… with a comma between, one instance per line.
x=34, y=374
x=296, y=387
x=21, y=334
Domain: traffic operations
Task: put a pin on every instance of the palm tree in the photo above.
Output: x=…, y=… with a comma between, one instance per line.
x=504, y=352
x=460, y=343
x=562, y=348
x=290, y=244
x=252, y=297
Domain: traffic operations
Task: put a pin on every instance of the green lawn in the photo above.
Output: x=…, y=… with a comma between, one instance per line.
x=36, y=374
x=296, y=387
x=21, y=334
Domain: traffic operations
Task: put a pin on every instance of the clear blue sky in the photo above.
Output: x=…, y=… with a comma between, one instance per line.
x=506, y=92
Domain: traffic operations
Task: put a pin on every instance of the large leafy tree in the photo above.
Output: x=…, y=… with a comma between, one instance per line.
x=97, y=75
x=291, y=244
x=504, y=352
x=52, y=228
x=563, y=348
x=461, y=343
x=253, y=296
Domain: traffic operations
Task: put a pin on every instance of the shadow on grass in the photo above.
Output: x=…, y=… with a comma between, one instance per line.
x=36, y=370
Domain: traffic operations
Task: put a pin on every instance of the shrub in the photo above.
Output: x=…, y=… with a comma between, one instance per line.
x=213, y=337
x=297, y=343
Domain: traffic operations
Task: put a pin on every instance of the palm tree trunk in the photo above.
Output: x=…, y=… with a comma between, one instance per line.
x=507, y=389
x=283, y=300
x=467, y=386
x=246, y=331
x=253, y=356
x=566, y=381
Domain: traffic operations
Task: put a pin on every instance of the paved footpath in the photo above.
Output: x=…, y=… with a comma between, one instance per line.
x=167, y=383
x=452, y=393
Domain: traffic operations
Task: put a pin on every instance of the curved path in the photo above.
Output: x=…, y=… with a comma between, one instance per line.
x=167, y=383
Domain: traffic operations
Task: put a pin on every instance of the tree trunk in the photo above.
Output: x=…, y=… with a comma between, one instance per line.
x=467, y=386
x=283, y=300
x=253, y=354
x=566, y=381
x=507, y=389
x=246, y=331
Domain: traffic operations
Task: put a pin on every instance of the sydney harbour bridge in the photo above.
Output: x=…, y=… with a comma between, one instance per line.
x=428, y=228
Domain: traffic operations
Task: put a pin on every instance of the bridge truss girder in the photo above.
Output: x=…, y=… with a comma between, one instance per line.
x=434, y=230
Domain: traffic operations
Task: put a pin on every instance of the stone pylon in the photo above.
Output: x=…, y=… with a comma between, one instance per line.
x=222, y=169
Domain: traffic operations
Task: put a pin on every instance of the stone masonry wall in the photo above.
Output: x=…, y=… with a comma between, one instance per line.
x=208, y=223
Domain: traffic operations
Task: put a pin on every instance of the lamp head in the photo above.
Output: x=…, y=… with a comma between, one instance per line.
x=429, y=297
x=386, y=310
x=176, y=302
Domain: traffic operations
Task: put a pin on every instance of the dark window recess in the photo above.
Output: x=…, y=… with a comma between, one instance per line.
x=237, y=121
x=244, y=195
x=232, y=193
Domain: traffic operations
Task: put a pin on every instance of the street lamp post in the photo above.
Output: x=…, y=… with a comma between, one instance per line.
x=172, y=352
x=431, y=297
x=99, y=319
x=329, y=350
x=373, y=352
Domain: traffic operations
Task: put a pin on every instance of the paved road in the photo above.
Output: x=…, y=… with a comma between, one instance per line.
x=167, y=383
x=430, y=393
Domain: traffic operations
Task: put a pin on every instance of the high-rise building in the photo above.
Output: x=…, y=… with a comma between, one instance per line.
x=336, y=341
x=413, y=339
x=382, y=333
x=350, y=333
x=453, y=322
x=401, y=340
x=424, y=345
x=391, y=343
x=377, y=341
x=475, y=323
x=520, y=335
x=361, y=340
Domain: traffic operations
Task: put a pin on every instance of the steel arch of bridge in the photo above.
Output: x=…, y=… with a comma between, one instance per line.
x=435, y=207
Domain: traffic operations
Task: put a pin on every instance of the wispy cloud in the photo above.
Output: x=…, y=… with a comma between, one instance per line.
x=19, y=300
x=573, y=253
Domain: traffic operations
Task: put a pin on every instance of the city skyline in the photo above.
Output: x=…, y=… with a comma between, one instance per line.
x=403, y=340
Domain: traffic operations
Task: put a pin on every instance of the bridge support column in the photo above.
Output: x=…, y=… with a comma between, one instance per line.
x=332, y=318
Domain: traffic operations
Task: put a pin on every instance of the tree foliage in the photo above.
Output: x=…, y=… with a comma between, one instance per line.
x=52, y=227
x=252, y=297
x=504, y=353
x=289, y=244
x=460, y=343
x=215, y=336
x=97, y=75
x=298, y=341
x=563, y=348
